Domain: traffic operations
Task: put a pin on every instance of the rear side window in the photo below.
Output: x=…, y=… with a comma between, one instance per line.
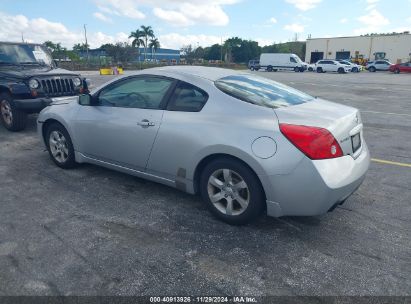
x=187, y=98
x=261, y=91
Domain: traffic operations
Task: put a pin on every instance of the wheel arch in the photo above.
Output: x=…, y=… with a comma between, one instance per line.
x=209, y=158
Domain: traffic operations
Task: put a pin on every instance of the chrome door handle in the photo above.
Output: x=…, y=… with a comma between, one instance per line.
x=146, y=123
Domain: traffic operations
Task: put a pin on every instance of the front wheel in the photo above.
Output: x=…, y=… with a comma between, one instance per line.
x=232, y=191
x=355, y=70
x=60, y=146
x=296, y=69
x=372, y=69
x=320, y=70
x=341, y=71
x=11, y=118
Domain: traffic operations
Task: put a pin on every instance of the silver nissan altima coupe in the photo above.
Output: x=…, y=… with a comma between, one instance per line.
x=246, y=144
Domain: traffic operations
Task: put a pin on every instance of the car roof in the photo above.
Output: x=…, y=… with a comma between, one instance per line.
x=209, y=73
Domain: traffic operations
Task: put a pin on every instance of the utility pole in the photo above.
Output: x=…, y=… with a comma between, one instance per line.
x=85, y=37
x=22, y=37
x=221, y=50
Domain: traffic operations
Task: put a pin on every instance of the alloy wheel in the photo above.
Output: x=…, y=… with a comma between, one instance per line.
x=228, y=191
x=6, y=112
x=58, y=146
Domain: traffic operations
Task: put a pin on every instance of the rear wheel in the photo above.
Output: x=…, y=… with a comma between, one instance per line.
x=60, y=146
x=11, y=118
x=232, y=191
x=397, y=71
x=252, y=68
x=310, y=69
x=355, y=70
x=269, y=68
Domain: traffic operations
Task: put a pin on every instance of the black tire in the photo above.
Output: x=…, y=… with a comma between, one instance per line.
x=372, y=69
x=355, y=70
x=397, y=71
x=11, y=118
x=269, y=68
x=252, y=68
x=320, y=70
x=296, y=69
x=341, y=71
x=310, y=69
x=256, y=205
x=70, y=162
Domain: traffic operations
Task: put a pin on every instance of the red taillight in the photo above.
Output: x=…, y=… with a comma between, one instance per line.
x=316, y=143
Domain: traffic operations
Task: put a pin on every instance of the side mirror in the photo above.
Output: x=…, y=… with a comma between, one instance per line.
x=86, y=100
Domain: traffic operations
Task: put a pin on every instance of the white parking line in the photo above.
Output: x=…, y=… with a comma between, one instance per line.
x=386, y=113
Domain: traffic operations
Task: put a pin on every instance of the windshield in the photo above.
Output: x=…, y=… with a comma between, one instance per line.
x=261, y=91
x=25, y=54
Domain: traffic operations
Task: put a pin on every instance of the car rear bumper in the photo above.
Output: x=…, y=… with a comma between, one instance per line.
x=316, y=187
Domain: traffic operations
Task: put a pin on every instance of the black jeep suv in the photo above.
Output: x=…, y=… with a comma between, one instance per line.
x=29, y=78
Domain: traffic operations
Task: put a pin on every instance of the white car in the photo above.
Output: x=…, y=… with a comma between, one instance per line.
x=355, y=68
x=332, y=66
x=311, y=67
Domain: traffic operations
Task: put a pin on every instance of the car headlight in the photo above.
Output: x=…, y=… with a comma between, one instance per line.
x=33, y=84
x=77, y=81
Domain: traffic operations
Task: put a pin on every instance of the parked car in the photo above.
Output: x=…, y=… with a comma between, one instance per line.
x=278, y=61
x=254, y=65
x=28, y=80
x=378, y=65
x=311, y=67
x=401, y=68
x=327, y=65
x=246, y=144
x=355, y=68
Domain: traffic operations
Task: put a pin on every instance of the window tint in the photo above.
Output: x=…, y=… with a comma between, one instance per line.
x=261, y=91
x=142, y=92
x=292, y=59
x=187, y=98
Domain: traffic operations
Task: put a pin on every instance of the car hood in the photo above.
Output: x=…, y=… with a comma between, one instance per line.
x=24, y=73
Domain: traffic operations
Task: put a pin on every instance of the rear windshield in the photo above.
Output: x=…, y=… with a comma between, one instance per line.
x=261, y=91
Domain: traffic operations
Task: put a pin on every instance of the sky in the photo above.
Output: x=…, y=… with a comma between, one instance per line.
x=177, y=23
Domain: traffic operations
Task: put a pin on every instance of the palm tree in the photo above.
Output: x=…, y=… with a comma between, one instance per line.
x=147, y=32
x=137, y=38
x=154, y=45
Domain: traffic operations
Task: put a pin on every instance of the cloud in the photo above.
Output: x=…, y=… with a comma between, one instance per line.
x=343, y=20
x=374, y=21
x=175, y=12
x=372, y=1
x=304, y=5
x=272, y=20
x=176, y=41
x=294, y=27
x=102, y=17
x=40, y=30
x=126, y=8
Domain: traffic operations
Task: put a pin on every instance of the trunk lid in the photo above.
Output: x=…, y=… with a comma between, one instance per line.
x=342, y=121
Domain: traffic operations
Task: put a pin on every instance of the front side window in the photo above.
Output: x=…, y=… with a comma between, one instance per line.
x=261, y=91
x=292, y=59
x=187, y=98
x=144, y=92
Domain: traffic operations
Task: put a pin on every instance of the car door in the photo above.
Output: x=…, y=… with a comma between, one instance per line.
x=122, y=125
x=175, y=144
x=382, y=65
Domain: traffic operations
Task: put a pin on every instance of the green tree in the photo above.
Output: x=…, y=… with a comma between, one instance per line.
x=213, y=52
x=137, y=39
x=154, y=45
x=147, y=33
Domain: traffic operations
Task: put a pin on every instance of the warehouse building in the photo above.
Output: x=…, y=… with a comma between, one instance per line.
x=394, y=47
x=160, y=55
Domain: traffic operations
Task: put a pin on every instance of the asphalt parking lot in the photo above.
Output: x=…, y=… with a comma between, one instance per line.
x=91, y=231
